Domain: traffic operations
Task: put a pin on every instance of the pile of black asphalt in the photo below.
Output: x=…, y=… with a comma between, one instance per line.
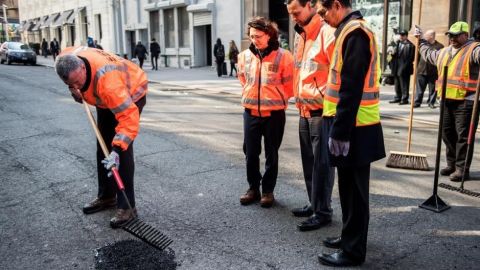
x=133, y=254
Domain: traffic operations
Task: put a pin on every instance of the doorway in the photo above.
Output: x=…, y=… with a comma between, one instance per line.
x=203, y=45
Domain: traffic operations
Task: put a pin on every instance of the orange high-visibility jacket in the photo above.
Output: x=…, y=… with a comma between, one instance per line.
x=313, y=48
x=115, y=84
x=267, y=82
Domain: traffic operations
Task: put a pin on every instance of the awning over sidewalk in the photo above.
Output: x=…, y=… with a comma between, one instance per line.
x=71, y=18
x=28, y=25
x=21, y=26
x=62, y=19
x=50, y=20
x=40, y=23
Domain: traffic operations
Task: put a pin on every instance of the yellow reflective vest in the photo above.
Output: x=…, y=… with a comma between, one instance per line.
x=368, y=112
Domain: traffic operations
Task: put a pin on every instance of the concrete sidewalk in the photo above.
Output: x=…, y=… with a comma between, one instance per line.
x=205, y=78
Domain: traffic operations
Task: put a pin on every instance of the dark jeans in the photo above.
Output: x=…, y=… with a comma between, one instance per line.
x=319, y=176
x=154, y=61
x=141, y=61
x=219, y=62
x=353, y=188
x=422, y=82
x=232, y=68
x=106, y=185
x=455, y=132
x=402, y=84
x=271, y=128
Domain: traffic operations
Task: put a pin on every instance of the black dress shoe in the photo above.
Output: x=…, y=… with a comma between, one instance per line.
x=314, y=222
x=305, y=211
x=333, y=242
x=403, y=102
x=338, y=258
x=99, y=205
x=394, y=101
x=416, y=105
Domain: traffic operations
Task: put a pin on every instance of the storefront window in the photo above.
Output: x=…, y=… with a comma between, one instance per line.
x=183, y=27
x=372, y=12
x=169, y=23
x=154, y=25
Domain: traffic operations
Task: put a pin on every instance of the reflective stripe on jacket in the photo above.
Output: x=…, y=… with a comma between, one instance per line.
x=461, y=81
x=368, y=112
x=267, y=82
x=115, y=84
x=314, y=44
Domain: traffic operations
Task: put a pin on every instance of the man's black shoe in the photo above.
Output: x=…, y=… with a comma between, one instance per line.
x=403, y=102
x=99, y=205
x=338, y=258
x=314, y=222
x=432, y=106
x=416, y=105
x=333, y=242
x=305, y=211
x=447, y=171
x=394, y=101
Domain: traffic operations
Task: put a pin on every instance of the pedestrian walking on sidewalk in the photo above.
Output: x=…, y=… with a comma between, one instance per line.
x=54, y=48
x=402, y=68
x=154, y=52
x=314, y=43
x=219, y=53
x=427, y=74
x=44, y=48
x=140, y=53
x=265, y=73
x=119, y=104
x=462, y=57
x=233, y=56
x=351, y=115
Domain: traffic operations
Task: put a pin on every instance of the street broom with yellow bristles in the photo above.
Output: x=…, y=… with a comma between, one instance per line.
x=408, y=160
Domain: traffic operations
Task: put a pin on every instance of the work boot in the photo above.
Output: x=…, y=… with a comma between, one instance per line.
x=99, y=205
x=251, y=196
x=457, y=175
x=122, y=217
x=447, y=170
x=267, y=200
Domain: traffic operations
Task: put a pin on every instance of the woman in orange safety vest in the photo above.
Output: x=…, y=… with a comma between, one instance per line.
x=265, y=72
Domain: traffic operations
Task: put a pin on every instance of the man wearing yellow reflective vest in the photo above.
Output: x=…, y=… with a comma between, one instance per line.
x=117, y=88
x=462, y=58
x=351, y=114
x=265, y=73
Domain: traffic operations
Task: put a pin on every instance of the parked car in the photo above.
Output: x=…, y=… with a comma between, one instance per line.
x=17, y=52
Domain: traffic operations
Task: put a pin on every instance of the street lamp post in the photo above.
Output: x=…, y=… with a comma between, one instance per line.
x=6, y=21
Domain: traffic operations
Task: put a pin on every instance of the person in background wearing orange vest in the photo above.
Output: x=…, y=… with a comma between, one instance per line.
x=265, y=72
x=117, y=88
x=351, y=115
x=462, y=58
x=314, y=43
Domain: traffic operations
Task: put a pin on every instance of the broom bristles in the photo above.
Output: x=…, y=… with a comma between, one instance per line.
x=406, y=160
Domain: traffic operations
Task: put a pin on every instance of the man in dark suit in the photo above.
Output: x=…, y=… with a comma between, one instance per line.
x=402, y=67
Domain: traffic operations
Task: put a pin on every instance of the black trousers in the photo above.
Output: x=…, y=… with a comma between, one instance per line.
x=154, y=59
x=402, y=84
x=422, y=82
x=107, y=187
x=232, y=68
x=319, y=176
x=271, y=129
x=455, y=132
x=353, y=188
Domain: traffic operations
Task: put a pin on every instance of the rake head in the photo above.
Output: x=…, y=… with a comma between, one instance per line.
x=147, y=233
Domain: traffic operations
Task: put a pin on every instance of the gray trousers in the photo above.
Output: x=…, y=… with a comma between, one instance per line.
x=319, y=176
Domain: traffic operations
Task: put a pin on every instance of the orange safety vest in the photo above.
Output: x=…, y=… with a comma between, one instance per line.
x=369, y=111
x=267, y=83
x=115, y=84
x=461, y=81
x=313, y=50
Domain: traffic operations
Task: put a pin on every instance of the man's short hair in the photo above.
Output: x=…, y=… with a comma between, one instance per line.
x=301, y=2
x=329, y=3
x=67, y=63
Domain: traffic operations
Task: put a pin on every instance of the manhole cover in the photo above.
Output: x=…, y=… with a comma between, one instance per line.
x=133, y=254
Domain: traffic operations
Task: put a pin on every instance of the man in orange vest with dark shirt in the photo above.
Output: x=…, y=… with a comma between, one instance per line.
x=117, y=88
x=314, y=43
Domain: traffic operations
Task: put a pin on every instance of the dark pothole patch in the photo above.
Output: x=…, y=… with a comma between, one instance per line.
x=133, y=254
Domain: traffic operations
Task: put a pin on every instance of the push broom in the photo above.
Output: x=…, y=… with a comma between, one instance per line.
x=408, y=160
x=136, y=227
x=470, y=141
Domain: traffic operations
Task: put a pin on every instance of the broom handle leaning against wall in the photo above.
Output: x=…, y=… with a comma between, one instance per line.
x=415, y=65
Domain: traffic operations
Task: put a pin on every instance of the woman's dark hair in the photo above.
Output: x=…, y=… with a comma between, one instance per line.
x=329, y=3
x=219, y=41
x=268, y=27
